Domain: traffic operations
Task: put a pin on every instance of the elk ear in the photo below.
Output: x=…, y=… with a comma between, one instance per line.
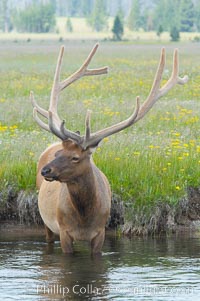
x=58, y=152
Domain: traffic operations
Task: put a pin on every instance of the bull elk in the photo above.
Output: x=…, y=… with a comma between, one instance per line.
x=74, y=196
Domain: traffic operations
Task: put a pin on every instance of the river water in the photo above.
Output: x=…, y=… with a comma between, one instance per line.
x=164, y=269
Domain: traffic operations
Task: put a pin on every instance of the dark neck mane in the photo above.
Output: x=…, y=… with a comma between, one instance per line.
x=83, y=193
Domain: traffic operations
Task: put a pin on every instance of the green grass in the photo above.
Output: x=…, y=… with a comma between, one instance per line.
x=155, y=160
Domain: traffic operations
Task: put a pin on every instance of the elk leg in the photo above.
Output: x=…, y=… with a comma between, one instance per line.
x=66, y=242
x=49, y=235
x=97, y=242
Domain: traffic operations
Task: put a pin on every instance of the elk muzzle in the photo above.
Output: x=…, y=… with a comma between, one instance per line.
x=48, y=174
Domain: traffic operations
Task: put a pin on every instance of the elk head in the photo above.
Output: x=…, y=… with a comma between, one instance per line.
x=69, y=163
x=77, y=148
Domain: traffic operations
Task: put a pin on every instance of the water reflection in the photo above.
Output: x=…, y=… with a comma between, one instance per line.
x=129, y=269
x=72, y=276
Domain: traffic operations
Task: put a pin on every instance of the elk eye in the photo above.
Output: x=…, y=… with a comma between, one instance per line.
x=75, y=159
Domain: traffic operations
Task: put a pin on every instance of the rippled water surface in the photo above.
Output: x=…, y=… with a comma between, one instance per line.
x=162, y=269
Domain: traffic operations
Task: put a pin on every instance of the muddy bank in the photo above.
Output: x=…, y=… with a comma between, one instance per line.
x=167, y=218
x=21, y=208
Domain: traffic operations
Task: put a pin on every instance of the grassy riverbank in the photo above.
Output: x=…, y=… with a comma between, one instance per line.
x=154, y=161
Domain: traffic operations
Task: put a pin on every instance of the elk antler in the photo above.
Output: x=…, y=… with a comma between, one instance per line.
x=155, y=93
x=92, y=139
x=54, y=123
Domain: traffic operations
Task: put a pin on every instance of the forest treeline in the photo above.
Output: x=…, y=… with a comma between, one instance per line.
x=148, y=15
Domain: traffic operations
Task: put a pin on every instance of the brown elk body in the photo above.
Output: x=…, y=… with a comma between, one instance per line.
x=81, y=192
x=74, y=195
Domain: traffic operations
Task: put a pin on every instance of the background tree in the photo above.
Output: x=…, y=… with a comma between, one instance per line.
x=146, y=14
x=146, y=20
x=167, y=14
x=74, y=7
x=174, y=34
x=98, y=18
x=5, y=21
x=117, y=29
x=120, y=14
x=35, y=18
x=134, y=17
x=159, y=30
x=69, y=26
x=159, y=14
x=187, y=15
x=87, y=7
x=197, y=16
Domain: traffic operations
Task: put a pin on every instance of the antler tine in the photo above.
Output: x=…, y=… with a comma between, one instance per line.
x=87, y=125
x=40, y=110
x=83, y=71
x=152, y=98
x=94, y=139
x=67, y=134
x=174, y=79
x=39, y=121
x=56, y=86
x=53, y=118
x=97, y=71
x=54, y=128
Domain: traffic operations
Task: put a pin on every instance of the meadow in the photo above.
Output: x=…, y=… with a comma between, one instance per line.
x=155, y=160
